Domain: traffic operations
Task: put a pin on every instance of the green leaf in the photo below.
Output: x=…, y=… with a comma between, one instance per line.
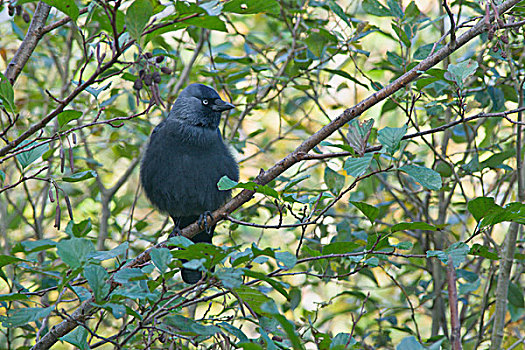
x=253, y=346
x=68, y=7
x=33, y=246
x=285, y=260
x=119, y=250
x=226, y=183
x=358, y=135
x=118, y=310
x=396, y=60
x=472, y=166
x=428, y=178
x=498, y=99
x=8, y=260
x=295, y=296
x=128, y=275
x=137, y=17
x=402, y=34
x=317, y=40
x=271, y=281
x=411, y=11
x=189, y=326
x=80, y=176
x=230, y=277
x=342, y=341
x=396, y=10
x=481, y=250
x=403, y=245
x=333, y=180
x=223, y=58
x=424, y=51
x=344, y=74
x=67, y=116
x=20, y=317
x=339, y=12
x=13, y=297
x=187, y=8
x=423, y=82
x=179, y=241
x=391, y=137
x=75, y=251
x=496, y=160
x=97, y=277
x=481, y=206
x=7, y=94
x=212, y=8
x=79, y=230
x=413, y=226
x=78, y=338
x=357, y=166
x=375, y=8
x=245, y=7
x=368, y=210
x=290, y=331
x=510, y=212
x=515, y=295
x=409, y=343
x=340, y=247
x=208, y=22
x=161, y=257
x=270, y=308
x=95, y=92
x=2, y=177
x=465, y=288
x=468, y=276
x=253, y=297
x=461, y=71
x=234, y=331
x=28, y=157
x=134, y=290
x=457, y=252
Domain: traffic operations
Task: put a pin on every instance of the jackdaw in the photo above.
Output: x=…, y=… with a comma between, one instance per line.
x=185, y=159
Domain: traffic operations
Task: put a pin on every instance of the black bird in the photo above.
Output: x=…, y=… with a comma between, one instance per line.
x=185, y=159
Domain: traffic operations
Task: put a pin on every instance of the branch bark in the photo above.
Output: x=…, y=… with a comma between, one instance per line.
x=455, y=326
x=33, y=36
x=509, y=244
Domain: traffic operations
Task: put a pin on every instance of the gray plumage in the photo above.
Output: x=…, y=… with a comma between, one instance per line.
x=185, y=159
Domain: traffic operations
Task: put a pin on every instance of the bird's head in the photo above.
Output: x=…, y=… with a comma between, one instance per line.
x=199, y=105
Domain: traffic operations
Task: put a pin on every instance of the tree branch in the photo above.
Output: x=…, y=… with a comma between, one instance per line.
x=455, y=326
x=33, y=36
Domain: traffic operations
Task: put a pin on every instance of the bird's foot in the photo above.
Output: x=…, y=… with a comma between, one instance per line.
x=176, y=232
x=203, y=221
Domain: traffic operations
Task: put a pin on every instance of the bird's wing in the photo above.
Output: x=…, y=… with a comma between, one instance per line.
x=158, y=128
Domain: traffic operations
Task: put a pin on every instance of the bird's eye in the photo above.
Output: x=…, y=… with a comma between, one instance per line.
x=205, y=102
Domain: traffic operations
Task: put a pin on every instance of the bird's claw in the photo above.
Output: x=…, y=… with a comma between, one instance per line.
x=176, y=232
x=203, y=221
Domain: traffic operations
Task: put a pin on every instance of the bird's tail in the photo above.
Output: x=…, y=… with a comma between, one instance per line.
x=192, y=276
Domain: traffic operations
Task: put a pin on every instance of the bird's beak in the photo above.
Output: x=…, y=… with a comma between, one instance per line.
x=221, y=106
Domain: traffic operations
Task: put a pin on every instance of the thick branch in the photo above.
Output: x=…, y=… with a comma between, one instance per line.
x=455, y=326
x=33, y=36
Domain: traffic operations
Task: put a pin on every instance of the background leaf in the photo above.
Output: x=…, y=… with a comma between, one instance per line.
x=428, y=178
x=137, y=16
